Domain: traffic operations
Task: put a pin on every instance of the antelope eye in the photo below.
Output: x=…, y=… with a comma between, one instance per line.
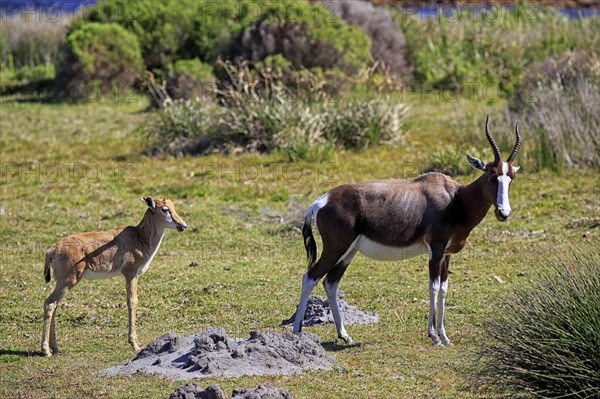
x=165, y=209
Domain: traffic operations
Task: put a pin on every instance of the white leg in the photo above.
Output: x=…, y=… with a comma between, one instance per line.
x=307, y=287
x=440, y=321
x=331, y=290
x=434, y=288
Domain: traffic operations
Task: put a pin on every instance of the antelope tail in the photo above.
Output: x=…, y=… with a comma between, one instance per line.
x=309, y=239
x=48, y=264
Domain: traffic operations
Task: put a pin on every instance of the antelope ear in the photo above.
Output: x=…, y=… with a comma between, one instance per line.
x=149, y=202
x=476, y=163
x=516, y=168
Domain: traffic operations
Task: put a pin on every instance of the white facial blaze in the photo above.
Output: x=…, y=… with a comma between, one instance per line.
x=502, y=196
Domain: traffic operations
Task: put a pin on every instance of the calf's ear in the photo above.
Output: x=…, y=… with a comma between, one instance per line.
x=149, y=202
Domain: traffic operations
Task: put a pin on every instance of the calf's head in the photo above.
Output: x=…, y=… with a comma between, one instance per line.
x=164, y=211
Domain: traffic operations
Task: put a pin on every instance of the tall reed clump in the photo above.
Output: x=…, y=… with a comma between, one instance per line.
x=544, y=341
x=259, y=112
x=27, y=42
x=558, y=104
x=29, y=50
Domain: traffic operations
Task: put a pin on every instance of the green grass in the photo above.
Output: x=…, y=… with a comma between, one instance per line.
x=250, y=266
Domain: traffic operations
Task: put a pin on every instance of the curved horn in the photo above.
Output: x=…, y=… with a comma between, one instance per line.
x=517, y=146
x=495, y=148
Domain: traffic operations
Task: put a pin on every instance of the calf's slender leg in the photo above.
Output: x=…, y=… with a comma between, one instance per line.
x=132, y=300
x=50, y=306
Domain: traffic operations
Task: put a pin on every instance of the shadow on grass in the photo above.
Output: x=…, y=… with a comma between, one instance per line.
x=10, y=356
x=333, y=346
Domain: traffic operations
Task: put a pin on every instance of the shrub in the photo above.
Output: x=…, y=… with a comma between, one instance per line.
x=183, y=126
x=306, y=35
x=387, y=40
x=102, y=57
x=169, y=30
x=162, y=27
x=544, y=339
x=261, y=114
x=298, y=130
x=190, y=79
x=28, y=81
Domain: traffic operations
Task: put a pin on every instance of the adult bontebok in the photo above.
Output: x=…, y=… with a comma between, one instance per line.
x=399, y=219
x=126, y=250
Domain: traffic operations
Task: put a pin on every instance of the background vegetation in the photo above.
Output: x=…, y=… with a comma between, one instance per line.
x=536, y=58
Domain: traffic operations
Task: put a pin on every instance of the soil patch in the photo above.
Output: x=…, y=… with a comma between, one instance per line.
x=318, y=312
x=211, y=353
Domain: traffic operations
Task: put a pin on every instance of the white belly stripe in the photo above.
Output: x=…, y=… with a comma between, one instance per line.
x=374, y=250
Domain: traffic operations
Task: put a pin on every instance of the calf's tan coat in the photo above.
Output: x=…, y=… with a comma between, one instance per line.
x=125, y=250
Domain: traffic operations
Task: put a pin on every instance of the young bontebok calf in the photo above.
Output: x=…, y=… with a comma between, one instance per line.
x=399, y=219
x=126, y=250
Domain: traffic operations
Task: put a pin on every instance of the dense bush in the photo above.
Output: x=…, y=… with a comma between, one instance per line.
x=306, y=35
x=544, y=339
x=162, y=27
x=387, y=41
x=98, y=58
x=169, y=30
x=494, y=47
x=190, y=79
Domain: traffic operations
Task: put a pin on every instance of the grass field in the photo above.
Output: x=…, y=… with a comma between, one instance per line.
x=73, y=168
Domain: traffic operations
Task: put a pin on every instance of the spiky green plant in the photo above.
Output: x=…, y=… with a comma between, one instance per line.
x=545, y=340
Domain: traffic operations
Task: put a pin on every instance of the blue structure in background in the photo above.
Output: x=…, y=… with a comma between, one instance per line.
x=14, y=7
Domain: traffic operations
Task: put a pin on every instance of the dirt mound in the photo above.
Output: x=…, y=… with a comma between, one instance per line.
x=211, y=353
x=318, y=312
x=193, y=391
